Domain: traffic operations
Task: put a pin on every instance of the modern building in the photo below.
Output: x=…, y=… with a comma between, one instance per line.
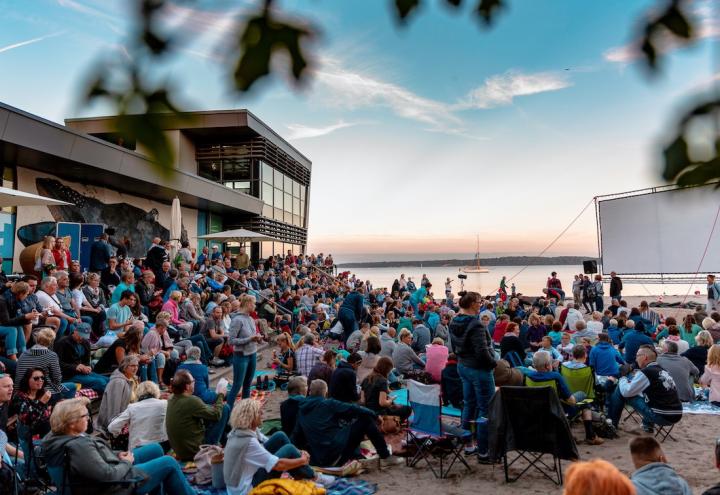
x=231, y=170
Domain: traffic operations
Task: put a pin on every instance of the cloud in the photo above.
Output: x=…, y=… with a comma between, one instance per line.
x=353, y=90
x=28, y=42
x=84, y=9
x=299, y=131
x=501, y=89
x=706, y=25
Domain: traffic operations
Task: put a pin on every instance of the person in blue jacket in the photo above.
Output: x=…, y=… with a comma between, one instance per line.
x=351, y=311
x=604, y=358
x=632, y=341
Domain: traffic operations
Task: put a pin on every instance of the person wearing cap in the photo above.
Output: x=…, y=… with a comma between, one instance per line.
x=74, y=354
x=216, y=254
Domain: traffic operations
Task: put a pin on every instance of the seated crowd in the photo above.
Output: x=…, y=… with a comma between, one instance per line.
x=128, y=334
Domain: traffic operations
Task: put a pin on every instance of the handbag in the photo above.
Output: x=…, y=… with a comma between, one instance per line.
x=389, y=425
x=203, y=461
x=226, y=351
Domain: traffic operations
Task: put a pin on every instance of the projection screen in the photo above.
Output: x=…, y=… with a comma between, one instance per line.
x=660, y=232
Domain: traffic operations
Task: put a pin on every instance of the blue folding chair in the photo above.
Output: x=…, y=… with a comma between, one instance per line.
x=427, y=433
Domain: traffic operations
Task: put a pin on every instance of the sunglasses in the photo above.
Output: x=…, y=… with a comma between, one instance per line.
x=38, y=378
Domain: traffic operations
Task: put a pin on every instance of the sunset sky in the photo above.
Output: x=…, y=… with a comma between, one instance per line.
x=422, y=136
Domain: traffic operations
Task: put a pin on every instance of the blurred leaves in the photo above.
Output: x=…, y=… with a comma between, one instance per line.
x=670, y=25
x=679, y=165
x=487, y=9
x=263, y=37
x=405, y=7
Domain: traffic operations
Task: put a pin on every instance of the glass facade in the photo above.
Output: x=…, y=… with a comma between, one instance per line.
x=229, y=165
x=268, y=249
x=284, y=197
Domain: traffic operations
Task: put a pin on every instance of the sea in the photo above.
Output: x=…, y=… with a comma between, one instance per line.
x=528, y=280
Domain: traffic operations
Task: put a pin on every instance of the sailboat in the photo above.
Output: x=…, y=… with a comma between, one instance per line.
x=476, y=268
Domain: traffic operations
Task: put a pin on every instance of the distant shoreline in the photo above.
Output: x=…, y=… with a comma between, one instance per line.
x=501, y=261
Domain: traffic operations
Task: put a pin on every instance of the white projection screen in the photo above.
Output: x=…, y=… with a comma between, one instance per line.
x=660, y=233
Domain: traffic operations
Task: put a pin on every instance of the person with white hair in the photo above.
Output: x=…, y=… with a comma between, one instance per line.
x=201, y=374
x=145, y=418
x=251, y=457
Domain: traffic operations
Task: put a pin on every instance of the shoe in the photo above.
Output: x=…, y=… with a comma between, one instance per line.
x=258, y=383
x=484, y=459
x=266, y=383
x=325, y=480
x=470, y=450
x=216, y=361
x=594, y=441
x=648, y=429
x=391, y=460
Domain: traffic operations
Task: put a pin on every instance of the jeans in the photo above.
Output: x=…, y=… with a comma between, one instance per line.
x=14, y=340
x=200, y=342
x=617, y=401
x=162, y=471
x=148, y=372
x=214, y=431
x=243, y=374
x=599, y=305
x=711, y=304
x=279, y=445
x=478, y=389
x=91, y=380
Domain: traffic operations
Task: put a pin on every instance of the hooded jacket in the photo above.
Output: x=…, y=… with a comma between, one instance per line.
x=319, y=427
x=91, y=460
x=472, y=343
x=118, y=394
x=658, y=477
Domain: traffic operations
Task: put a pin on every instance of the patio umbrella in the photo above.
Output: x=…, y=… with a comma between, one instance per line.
x=175, y=226
x=238, y=235
x=11, y=197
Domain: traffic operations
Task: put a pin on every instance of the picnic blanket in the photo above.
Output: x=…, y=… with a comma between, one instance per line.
x=700, y=407
x=401, y=399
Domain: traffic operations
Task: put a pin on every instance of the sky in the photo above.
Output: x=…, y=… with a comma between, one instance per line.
x=422, y=136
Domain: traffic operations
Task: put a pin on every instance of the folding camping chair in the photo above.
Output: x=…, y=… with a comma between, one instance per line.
x=577, y=407
x=533, y=430
x=581, y=380
x=428, y=434
x=662, y=432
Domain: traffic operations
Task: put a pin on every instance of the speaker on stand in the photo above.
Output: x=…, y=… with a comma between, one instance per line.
x=590, y=267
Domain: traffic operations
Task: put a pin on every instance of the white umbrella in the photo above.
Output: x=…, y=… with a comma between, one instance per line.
x=238, y=235
x=11, y=197
x=175, y=226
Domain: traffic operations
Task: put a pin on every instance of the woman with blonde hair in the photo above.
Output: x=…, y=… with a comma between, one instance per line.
x=596, y=477
x=93, y=465
x=244, y=339
x=251, y=457
x=697, y=354
x=43, y=256
x=711, y=376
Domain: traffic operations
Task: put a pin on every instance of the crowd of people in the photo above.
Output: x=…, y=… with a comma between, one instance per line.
x=142, y=337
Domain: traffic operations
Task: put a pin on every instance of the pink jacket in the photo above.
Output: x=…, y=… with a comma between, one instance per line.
x=711, y=378
x=171, y=307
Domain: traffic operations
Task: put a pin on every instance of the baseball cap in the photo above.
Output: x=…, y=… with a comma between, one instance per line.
x=83, y=331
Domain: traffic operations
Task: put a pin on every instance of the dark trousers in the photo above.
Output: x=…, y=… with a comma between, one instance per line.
x=365, y=425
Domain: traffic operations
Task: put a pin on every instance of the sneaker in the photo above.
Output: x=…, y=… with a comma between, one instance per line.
x=216, y=361
x=391, y=460
x=648, y=429
x=484, y=459
x=325, y=480
x=266, y=383
x=470, y=450
x=594, y=441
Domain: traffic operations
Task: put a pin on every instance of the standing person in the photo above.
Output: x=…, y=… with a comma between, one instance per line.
x=156, y=256
x=244, y=339
x=242, y=261
x=599, y=292
x=577, y=289
x=474, y=348
x=713, y=289
x=61, y=255
x=616, y=286
x=588, y=291
x=554, y=283
x=100, y=254
x=351, y=311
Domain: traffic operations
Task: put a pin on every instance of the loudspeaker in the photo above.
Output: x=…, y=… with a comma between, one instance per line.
x=590, y=267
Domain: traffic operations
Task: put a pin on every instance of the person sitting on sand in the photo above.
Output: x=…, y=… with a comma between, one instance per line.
x=653, y=475
x=296, y=390
x=251, y=457
x=322, y=425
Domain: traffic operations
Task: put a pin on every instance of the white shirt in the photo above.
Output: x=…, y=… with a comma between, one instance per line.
x=145, y=420
x=78, y=297
x=595, y=327
x=573, y=316
x=48, y=302
x=256, y=457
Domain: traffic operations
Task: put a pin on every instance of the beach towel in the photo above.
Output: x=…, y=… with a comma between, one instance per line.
x=345, y=486
x=700, y=407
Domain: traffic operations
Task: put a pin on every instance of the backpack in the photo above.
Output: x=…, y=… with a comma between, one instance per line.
x=203, y=461
x=591, y=292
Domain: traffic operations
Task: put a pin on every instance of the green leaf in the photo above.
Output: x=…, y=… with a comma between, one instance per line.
x=405, y=7
x=488, y=9
x=263, y=36
x=702, y=174
x=676, y=22
x=676, y=158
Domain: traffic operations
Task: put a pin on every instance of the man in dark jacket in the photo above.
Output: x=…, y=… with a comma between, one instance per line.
x=615, y=286
x=155, y=256
x=100, y=254
x=343, y=383
x=74, y=355
x=297, y=390
x=332, y=430
x=351, y=311
x=476, y=360
x=13, y=321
